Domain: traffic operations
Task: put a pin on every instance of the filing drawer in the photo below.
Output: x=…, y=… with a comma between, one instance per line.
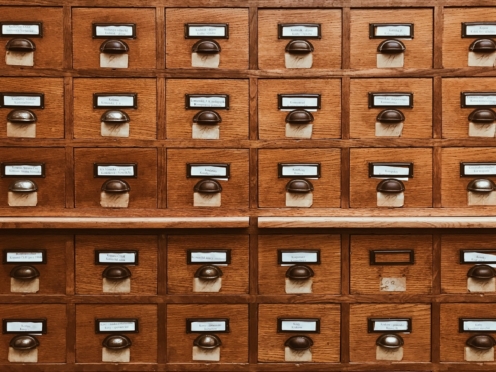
x=233, y=50
x=272, y=189
x=229, y=194
x=277, y=324
x=142, y=188
x=181, y=334
x=293, y=264
x=124, y=264
x=190, y=260
x=326, y=46
x=42, y=119
x=52, y=340
x=417, y=44
x=207, y=109
x=89, y=342
x=141, y=42
x=48, y=42
x=396, y=318
x=417, y=190
x=391, y=264
x=274, y=117
x=390, y=115
x=106, y=108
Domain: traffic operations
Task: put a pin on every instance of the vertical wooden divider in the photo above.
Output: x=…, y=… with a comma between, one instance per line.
x=345, y=51
x=162, y=299
x=160, y=24
x=253, y=305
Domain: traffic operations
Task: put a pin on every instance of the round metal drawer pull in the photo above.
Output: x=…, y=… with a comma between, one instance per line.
x=207, y=342
x=115, y=116
x=299, y=272
x=481, y=185
x=24, y=272
x=21, y=117
x=23, y=186
x=20, y=45
x=390, y=117
x=389, y=341
x=115, y=272
x=24, y=342
x=208, y=186
x=299, y=117
x=482, y=116
x=390, y=186
x=481, y=342
x=206, y=47
x=482, y=46
x=114, y=46
x=299, y=186
x=116, y=342
x=391, y=47
x=208, y=272
x=115, y=186
x=299, y=47
x=481, y=272
x=207, y=117
x=299, y=343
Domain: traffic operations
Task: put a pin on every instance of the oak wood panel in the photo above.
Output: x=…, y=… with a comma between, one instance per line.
x=327, y=50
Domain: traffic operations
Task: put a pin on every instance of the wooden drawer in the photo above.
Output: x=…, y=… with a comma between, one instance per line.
x=122, y=115
x=190, y=260
x=418, y=47
x=417, y=190
x=272, y=190
x=45, y=253
x=369, y=120
x=181, y=334
x=212, y=116
x=382, y=264
x=274, y=118
x=181, y=191
x=45, y=169
x=455, y=187
x=311, y=261
x=89, y=343
x=459, y=323
x=233, y=50
x=124, y=264
x=277, y=324
x=49, y=45
x=327, y=45
x=32, y=120
x=141, y=43
x=143, y=186
x=52, y=344
x=417, y=338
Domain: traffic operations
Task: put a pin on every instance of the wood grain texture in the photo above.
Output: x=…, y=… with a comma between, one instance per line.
x=272, y=121
x=89, y=343
x=418, y=119
x=272, y=275
x=418, y=52
x=325, y=347
x=234, y=347
x=271, y=49
x=417, y=347
x=180, y=274
x=366, y=278
x=418, y=190
x=234, y=51
x=179, y=120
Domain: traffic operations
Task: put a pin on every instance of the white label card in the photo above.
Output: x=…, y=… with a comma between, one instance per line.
x=24, y=101
x=117, y=257
x=299, y=102
x=23, y=170
x=207, y=101
x=199, y=257
x=394, y=30
x=479, y=325
x=208, y=171
x=386, y=101
x=300, y=170
x=475, y=170
x=300, y=31
x=117, y=101
x=384, y=170
x=480, y=100
x=109, y=326
x=16, y=29
x=114, y=30
x=24, y=257
x=299, y=256
x=206, y=30
x=391, y=325
x=27, y=327
x=299, y=325
x=210, y=326
x=116, y=170
x=478, y=257
x=476, y=30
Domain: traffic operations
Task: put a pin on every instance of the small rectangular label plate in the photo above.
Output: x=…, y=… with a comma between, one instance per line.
x=29, y=326
x=298, y=101
x=212, y=256
x=298, y=256
x=216, y=101
x=303, y=30
x=477, y=99
x=309, y=170
x=476, y=325
x=208, y=170
x=477, y=169
x=388, y=30
x=389, y=325
x=206, y=31
x=390, y=99
x=24, y=256
x=478, y=29
x=115, y=170
x=404, y=257
x=302, y=325
x=116, y=326
x=220, y=325
x=33, y=170
x=111, y=100
x=18, y=99
x=31, y=29
x=118, y=30
x=116, y=257
x=394, y=170
x=469, y=256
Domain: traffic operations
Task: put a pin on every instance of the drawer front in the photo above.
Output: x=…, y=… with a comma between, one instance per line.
x=190, y=260
x=52, y=344
x=276, y=123
x=455, y=187
x=142, y=189
x=86, y=49
x=385, y=264
x=29, y=121
x=181, y=336
x=49, y=45
x=326, y=49
x=382, y=120
x=233, y=50
x=231, y=194
x=416, y=342
x=417, y=190
x=116, y=264
x=107, y=119
x=229, y=121
x=143, y=347
x=418, y=49
x=272, y=189
x=274, y=332
x=44, y=255
x=316, y=268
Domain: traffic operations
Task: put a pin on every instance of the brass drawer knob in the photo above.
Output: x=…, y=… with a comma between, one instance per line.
x=299, y=117
x=24, y=342
x=481, y=272
x=481, y=185
x=114, y=46
x=24, y=272
x=299, y=272
x=482, y=46
x=208, y=272
x=206, y=47
x=115, y=272
x=208, y=186
x=207, y=117
x=207, y=342
x=389, y=341
x=391, y=47
x=390, y=117
x=23, y=186
x=115, y=117
x=116, y=342
x=20, y=45
x=299, y=343
x=299, y=47
x=391, y=186
x=116, y=186
x=481, y=342
x=299, y=186
x=21, y=117
x=482, y=116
